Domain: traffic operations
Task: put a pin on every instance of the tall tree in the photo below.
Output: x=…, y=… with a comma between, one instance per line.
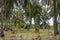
x=55, y=19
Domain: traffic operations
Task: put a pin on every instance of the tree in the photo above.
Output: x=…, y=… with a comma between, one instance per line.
x=8, y=6
x=45, y=15
x=55, y=19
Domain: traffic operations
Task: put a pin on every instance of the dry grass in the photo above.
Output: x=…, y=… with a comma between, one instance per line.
x=30, y=35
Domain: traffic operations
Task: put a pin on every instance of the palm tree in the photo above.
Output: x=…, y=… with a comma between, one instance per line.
x=36, y=15
x=7, y=9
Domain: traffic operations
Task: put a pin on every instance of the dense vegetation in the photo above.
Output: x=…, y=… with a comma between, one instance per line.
x=20, y=14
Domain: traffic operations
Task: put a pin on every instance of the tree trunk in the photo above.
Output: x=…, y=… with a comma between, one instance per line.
x=55, y=19
x=36, y=20
x=30, y=23
x=1, y=28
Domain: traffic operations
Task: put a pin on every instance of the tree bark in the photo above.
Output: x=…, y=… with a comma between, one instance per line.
x=36, y=24
x=55, y=19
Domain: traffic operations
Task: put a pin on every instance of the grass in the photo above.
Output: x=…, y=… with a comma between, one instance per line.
x=28, y=34
x=31, y=33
